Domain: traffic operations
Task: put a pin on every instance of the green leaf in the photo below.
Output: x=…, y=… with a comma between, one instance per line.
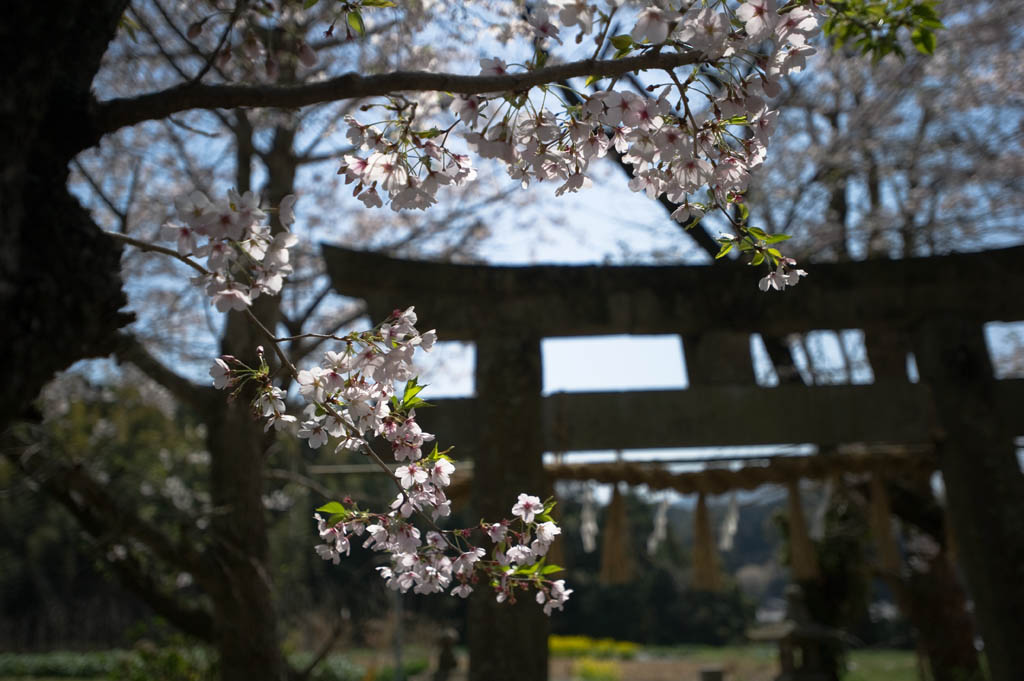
x=336, y=518
x=427, y=134
x=355, y=20
x=548, y=569
x=758, y=259
x=924, y=40
x=378, y=3
x=744, y=211
x=757, y=232
x=622, y=42
x=309, y=3
x=590, y=81
x=332, y=507
x=726, y=247
x=777, y=238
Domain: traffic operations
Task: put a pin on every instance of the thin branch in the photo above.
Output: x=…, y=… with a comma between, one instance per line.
x=197, y=622
x=299, y=479
x=107, y=201
x=325, y=648
x=131, y=350
x=300, y=351
x=153, y=248
x=101, y=514
x=114, y=114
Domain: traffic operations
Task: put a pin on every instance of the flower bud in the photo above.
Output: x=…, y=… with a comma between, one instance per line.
x=224, y=58
x=307, y=55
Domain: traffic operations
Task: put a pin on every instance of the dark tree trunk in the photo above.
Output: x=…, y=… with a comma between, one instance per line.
x=930, y=596
x=984, y=485
x=60, y=285
x=507, y=643
x=247, y=636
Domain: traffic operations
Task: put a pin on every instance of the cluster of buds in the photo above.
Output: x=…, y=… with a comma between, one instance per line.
x=244, y=258
x=351, y=399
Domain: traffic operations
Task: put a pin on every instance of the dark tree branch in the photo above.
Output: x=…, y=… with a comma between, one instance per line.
x=325, y=648
x=131, y=350
x=104, y=516
x=121, y=215
x=300, y=479
x=194, y=621
x=114, y=114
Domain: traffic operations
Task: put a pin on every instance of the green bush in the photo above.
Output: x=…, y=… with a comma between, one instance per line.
x=64, y=664
x=167, y=663
x=332, y=668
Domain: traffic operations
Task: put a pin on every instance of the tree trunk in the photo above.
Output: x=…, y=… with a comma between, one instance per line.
x=243, y=607
x=507, y=643
x=933, y=600
x=60, y=285
x=984, y=485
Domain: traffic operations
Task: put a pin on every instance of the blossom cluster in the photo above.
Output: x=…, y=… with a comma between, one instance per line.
x=408, y=165
x=705, y=130
x=449, y=560
x=352, y=399
x=244, y=258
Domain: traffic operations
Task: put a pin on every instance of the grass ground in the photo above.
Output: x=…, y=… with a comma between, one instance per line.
x=739, y=663
x=679, y=663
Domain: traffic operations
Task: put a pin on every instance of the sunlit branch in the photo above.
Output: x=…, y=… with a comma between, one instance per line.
x=116, y=113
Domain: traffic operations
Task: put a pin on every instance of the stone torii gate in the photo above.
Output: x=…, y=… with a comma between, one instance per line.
x=935, y=307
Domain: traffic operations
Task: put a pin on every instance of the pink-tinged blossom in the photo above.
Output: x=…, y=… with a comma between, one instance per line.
x=328, y=552
x=554, y=597
x=541, y=24
x=467, y=108
x=435, y=540
x=411, y=475
x=527, y=507
x=387, y=169
x=440, y=472
x=279, y=422
x=315, y=432
x=463, y=564
x=780, y=278
x=312, y=384
x=497, y=531
x=796, y=27
x=493, y=67
x=462, y=590
x=759, y=18
x=653, y=24
x=231, y=298
x=195, y=210
x=221, y=373
x=286, y=211
x=707, y=31
x=521, y=555
x=270, y=401
x=378, y=538
x=687, y=213
x=184, y=236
